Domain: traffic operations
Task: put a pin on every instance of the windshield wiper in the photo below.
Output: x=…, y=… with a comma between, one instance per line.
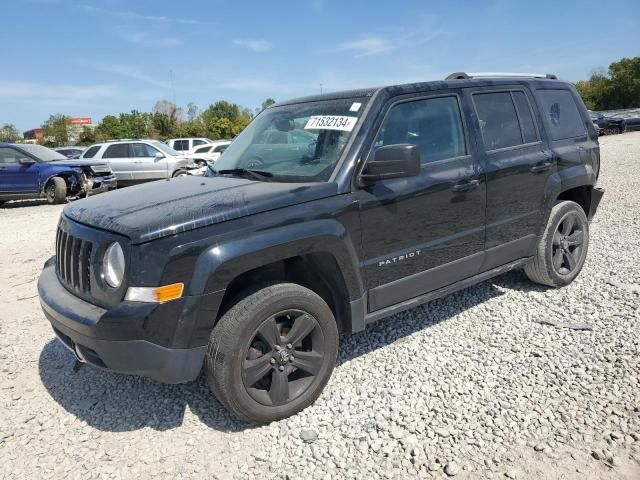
x=243, y=172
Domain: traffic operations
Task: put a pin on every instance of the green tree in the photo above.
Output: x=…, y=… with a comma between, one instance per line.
x=267, y=103
x=109, y=129
x=87, y=136
x=625, y=79
x=617, y=87
x=135, y=124
x=9, y=133
x=54, y=131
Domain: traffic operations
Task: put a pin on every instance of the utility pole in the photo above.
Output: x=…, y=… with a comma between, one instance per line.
x=175, y=105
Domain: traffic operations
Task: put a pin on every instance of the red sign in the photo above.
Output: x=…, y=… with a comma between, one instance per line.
x=79, y=121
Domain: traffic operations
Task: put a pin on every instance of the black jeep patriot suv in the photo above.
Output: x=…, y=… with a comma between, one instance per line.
x=326, y=214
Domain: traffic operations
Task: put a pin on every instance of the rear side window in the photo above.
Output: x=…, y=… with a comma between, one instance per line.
x=434, y=125
x=181, y=145
x=529, y=133
x=119, y=150
x=91, y=152
x=562, y=114
x=498, y=120
x=203, y=149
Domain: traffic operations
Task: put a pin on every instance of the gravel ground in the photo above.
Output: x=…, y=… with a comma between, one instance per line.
x=503, y=380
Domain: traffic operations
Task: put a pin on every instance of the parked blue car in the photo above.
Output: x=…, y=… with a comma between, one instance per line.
x=34, y=171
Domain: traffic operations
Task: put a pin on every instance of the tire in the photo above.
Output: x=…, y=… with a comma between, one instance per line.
x=260, y=344
x=56, y=191
x=621, y=129
x=563, y=247
x=180, y=173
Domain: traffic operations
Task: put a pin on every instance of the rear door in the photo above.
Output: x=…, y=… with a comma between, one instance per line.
x=16, y=178
x=425, y=232
x=121, y=163
x=517, y=165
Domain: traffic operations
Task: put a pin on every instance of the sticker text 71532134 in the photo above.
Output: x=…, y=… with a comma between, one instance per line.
x=331, y=122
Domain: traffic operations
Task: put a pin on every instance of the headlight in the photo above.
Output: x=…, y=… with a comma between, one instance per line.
x=113, y=265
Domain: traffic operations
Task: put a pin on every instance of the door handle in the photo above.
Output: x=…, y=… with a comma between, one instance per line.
x=541, y=167
x=465, y=185
x=3, y=168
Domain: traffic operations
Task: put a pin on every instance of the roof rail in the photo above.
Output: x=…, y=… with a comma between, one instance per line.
x=465, y=76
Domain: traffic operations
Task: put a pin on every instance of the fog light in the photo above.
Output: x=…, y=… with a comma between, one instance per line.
x=155, y=294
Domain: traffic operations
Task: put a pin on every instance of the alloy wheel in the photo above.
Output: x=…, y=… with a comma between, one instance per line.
x=568, y=242
x=283, y=358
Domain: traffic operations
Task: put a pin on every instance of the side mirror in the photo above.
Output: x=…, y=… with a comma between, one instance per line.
x=159, y=155
x=26, y=161
x=392, y=161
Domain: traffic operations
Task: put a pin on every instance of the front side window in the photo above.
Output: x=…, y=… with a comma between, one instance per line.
x=266, y=144
x=118, y=150
x=562, y=114
x=203, y=149
x=434, y=125
x=198, y=142
x=143, y=150
x=498, y=120
x=91, y=152
x=220, y=148
x=9, y=155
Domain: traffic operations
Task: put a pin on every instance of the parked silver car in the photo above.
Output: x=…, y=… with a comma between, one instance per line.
x=137, y=161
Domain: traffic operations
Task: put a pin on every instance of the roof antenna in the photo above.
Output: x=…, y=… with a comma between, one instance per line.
x=175, y=105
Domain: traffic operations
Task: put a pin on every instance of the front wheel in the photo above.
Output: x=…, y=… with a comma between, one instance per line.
x=272, y=353
x=180, y=173
x=56, y=191
x=562, y=249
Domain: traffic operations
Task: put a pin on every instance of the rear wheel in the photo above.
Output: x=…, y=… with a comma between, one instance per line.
x=562, y=249
x=272, y=353
x=56, y=191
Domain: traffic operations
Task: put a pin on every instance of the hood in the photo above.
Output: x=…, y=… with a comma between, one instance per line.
x=158, y=209
x=74, y=162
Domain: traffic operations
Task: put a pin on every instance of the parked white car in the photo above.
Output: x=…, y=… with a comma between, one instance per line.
x=209, y=153
x=187, y=145
x=137, y=161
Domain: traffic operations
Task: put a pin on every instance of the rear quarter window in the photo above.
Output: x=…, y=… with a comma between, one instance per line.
x=562, y=115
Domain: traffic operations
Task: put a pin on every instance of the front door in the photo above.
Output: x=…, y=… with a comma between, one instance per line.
x=17, y=178
x=425, y=232
x=146, y=165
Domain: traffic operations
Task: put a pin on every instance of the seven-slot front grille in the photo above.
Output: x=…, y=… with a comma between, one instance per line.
x=73, y=261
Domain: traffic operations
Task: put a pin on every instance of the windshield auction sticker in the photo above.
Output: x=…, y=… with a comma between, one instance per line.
x=331, y=122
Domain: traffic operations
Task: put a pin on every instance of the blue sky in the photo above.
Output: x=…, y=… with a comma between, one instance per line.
x=93, y=58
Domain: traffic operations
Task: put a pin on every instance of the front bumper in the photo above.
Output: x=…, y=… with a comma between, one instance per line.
x=75, y=323
x=596, y=195
x=102, y=184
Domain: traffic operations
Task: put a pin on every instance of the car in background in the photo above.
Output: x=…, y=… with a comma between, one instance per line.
x=70, y=152
x=187, y=145
x=138, y=161
x=33, y=171
x=209, y=153
x=632, y=119
x=609, y=125
x=598, y=129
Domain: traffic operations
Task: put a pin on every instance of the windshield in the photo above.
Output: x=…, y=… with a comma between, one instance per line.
x=42, y=153
x=296, y=143
x=164, y=147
